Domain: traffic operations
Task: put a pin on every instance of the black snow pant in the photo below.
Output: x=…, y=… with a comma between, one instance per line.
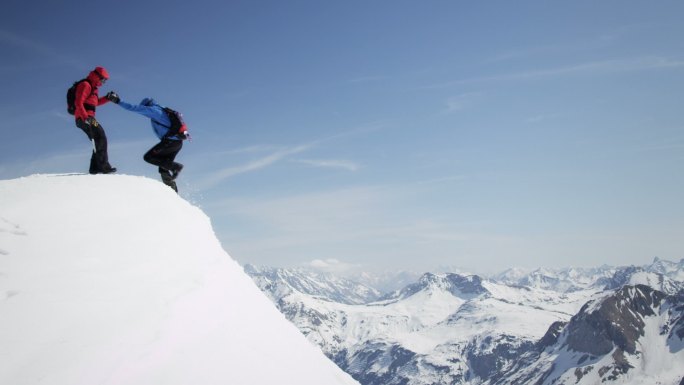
x=99, y=160
x=163, y=155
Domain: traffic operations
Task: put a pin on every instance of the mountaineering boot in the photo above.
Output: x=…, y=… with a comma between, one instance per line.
x=177, y=167
x=168, y=180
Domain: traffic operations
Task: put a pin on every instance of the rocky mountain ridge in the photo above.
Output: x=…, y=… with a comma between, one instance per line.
x=466, y=329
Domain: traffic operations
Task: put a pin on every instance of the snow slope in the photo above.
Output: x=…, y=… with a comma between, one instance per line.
x=114, y=279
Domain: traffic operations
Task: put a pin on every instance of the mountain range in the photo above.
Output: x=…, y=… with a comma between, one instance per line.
x=613, y=325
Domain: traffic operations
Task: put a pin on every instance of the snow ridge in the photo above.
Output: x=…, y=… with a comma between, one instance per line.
x=114, y=279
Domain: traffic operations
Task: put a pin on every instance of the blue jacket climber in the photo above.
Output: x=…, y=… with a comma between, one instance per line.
x=164, y=153
x=160, y=120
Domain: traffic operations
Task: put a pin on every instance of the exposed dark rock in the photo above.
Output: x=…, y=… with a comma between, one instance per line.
x=612, y=325
x=621, y=365
x=581, y=372
x=395, y=357
x=500, y=353
x=677, y=327
x=618, y=321
x=551, y=336
x=621, y=277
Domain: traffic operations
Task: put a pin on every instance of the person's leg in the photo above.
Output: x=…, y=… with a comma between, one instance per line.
x=177, y=167
x=93, y=168
x=163, y=154
x=100, y=158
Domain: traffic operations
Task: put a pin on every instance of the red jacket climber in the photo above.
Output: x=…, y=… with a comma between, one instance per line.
x=86, y=101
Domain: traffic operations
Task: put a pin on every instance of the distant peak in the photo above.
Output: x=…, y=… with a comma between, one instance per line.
x=456, y=284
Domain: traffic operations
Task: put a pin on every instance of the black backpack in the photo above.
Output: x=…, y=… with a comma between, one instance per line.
x=178, y=127
x=71, y=97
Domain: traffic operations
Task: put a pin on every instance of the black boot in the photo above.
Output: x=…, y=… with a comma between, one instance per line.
x=177, y=168
x=168, y=180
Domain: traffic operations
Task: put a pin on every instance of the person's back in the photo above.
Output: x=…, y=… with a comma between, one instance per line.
x=160, y=120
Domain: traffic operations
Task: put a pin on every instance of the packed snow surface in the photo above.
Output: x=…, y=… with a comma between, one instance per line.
x=114, y=279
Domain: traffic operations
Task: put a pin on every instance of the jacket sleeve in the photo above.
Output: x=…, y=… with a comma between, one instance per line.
x=102, y=100
x=83, y=90
x=147, y=111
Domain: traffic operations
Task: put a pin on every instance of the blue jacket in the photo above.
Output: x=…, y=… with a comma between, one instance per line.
x=159, y=119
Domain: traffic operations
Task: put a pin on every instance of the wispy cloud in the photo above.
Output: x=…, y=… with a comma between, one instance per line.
x=541, y=117
x=128, y=153
x=446, y=179
x=277, y=154
x=600, y=42
x=461, y=102
x=367, y=79
x=331, y=265
x=610, y=66
x=313, y=216
x=38, y=48
x=340, y=224
x=63, y=162
x=665, y=145
x=253, y=149
x=217, y=177
x=340, y=215
x=330, y=163
x=619, y=65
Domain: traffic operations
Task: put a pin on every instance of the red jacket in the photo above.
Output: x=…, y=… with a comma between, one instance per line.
x=86, y=99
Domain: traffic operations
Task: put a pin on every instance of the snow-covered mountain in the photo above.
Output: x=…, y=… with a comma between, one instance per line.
x=570, y=279
x=672, y=270
x=441, y=329
x=564, y=280
x=282, y=282
x=644, y=276
x=464, y=329
x=114, y=279
x=634, y=335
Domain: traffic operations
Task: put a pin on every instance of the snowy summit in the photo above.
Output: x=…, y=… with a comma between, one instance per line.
x=114, y=279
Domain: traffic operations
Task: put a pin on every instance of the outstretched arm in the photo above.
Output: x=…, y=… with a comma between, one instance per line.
x=102, y=100
x=148, y=111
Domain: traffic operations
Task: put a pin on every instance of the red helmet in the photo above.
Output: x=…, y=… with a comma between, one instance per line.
x=101, y=72
x=98, y=76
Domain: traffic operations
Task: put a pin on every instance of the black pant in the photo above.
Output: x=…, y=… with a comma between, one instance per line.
x=163, y=154
x=99, y=160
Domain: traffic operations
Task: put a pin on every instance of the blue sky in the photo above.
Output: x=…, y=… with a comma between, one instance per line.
x=379, y=134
